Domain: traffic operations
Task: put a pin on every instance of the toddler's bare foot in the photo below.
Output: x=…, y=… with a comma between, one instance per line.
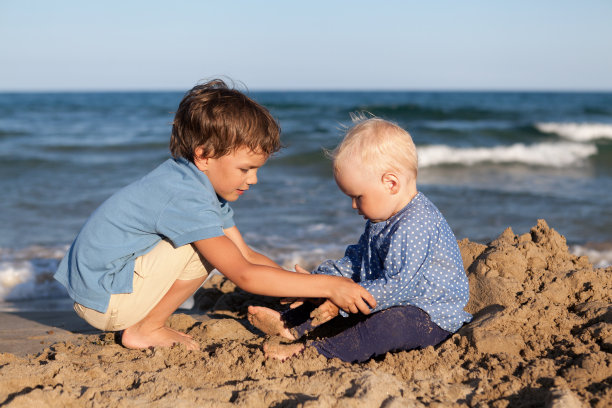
x=282, y=351
x=136, y=337
x=318, y=318
x=269, y=321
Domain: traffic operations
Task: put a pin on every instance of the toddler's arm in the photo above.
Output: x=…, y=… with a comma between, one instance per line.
x=348, y=266
x=224, y=255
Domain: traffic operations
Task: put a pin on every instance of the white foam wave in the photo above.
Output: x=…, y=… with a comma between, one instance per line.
x=12, y=275
x=28, y=274
x=599, y=257
x=540, y=154
x=578, y=132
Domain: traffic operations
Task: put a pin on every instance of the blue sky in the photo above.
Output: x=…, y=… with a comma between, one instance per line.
x=403, y=45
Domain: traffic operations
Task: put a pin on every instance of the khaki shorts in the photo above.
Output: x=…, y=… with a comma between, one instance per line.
x=154, y=273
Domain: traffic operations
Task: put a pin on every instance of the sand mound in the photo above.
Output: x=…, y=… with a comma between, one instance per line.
x=541, y=336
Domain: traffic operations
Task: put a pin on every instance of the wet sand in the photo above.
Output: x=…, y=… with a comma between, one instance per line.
x=23, y=333
x=541, y=336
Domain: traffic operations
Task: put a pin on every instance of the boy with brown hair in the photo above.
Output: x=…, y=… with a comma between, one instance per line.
x=150, y=246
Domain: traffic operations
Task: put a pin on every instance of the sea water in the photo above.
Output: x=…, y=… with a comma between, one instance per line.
x=488, y=160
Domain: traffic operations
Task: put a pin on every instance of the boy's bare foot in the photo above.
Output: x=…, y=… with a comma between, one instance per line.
x=181, y=333
x=135, y=337
x=282, y=351
x=269, y=321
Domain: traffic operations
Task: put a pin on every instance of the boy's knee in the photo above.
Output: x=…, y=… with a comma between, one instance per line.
x=167, y=262
x=101, y=321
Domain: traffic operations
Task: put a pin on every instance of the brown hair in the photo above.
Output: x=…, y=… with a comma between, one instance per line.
x=220, y=119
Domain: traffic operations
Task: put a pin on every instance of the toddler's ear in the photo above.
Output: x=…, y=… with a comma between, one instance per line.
x=391, y=182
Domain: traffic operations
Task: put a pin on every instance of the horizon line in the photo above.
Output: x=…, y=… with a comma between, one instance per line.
x=338, y=90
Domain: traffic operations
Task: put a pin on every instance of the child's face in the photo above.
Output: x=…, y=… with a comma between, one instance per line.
x=371, y=196
x=231, y=175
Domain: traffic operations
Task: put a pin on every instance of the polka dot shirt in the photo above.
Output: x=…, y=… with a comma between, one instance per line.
x=410, y=259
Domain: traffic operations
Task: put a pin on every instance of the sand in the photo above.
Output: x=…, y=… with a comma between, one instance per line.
x=541, y=336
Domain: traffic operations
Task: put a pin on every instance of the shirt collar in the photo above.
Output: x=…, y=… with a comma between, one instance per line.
x=199, y=175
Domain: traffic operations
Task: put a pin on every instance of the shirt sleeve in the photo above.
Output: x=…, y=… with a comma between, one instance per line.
x=349, y=266
x=188, y=219
x=402, y=267
x=227, y=215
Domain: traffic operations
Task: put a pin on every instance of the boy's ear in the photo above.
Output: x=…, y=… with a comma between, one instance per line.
x=199, y=159
x=391, y=182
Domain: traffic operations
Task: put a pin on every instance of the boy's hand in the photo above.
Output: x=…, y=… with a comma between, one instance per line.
x=324, y=313
x=351, y=297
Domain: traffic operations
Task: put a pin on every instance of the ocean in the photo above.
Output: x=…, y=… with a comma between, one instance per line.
x=488, y=160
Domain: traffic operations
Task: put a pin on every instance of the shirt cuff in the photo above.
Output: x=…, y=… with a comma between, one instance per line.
x=192, y=236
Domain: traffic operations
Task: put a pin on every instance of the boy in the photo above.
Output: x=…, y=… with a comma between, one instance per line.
x=408, y=257
x=150, y=246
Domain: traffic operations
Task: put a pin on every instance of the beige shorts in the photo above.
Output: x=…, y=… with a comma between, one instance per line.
x=154, y=273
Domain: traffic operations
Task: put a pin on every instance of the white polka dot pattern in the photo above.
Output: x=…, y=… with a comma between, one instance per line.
x=410, y=259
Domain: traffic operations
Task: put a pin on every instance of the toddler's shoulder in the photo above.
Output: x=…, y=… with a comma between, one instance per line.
x=420, y=212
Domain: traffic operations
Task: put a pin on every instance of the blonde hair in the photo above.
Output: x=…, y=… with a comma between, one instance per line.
x=379, y=145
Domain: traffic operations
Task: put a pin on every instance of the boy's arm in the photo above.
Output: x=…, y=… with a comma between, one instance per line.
x=249, y=254
x=224, y=255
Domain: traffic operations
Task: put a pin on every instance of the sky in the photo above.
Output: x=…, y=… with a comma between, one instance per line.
x=72, y=45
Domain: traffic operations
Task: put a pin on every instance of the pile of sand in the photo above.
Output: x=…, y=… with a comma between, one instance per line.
x=541, y=334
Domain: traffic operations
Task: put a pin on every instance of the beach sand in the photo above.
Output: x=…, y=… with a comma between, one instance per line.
x=541, y=336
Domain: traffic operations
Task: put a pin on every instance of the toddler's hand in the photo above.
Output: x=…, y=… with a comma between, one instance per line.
x=299, y=269
x=324, y=313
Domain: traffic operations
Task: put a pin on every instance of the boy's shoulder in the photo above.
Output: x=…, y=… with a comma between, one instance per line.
x=174, y=174
x=173, y=181
x=170, y=168
x=173, y=198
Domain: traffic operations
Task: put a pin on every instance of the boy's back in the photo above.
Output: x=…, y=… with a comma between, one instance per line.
x=175, y=201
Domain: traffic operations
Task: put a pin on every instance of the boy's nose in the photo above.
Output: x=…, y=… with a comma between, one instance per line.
x=354, y=204
x=252, y=179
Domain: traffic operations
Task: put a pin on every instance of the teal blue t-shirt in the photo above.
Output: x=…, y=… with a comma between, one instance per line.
x=175, y=201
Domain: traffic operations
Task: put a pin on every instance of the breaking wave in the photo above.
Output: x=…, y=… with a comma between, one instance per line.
x=540, y=154
x=578, y=132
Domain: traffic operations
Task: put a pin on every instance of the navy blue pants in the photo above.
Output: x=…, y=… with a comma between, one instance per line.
x=360, y=337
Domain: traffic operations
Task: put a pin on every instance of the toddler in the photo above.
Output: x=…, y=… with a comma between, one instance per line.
x=407, y=258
